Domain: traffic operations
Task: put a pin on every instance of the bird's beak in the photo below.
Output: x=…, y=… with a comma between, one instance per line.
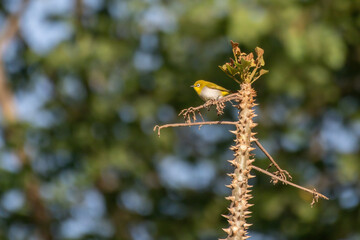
x=192, y=86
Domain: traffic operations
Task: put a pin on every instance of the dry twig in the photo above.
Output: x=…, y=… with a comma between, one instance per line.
x=314, y=192
x=280, y=172
x=158, y=128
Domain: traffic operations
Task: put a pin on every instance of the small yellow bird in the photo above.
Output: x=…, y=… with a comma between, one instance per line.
x=209, y=91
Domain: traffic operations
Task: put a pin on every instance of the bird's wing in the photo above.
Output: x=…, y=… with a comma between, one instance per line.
x=215, y=86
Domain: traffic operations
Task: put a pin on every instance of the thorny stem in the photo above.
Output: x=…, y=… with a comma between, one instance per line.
x=241, y=192
x=242, y=162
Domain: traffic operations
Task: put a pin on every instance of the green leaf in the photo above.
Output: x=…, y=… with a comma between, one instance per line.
x=230, y=69
x=244, y=64
x=262, y=72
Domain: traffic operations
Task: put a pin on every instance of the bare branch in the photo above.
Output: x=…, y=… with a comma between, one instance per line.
x=314, y=192
x=280, y=171
x=193, y=124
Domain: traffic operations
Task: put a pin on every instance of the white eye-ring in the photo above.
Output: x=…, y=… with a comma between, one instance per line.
x=198, y=85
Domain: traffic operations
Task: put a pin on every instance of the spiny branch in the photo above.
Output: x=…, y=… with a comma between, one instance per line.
x=314, y=192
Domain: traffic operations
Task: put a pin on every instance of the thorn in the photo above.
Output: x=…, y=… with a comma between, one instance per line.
x=232, y=175
x=251, y=149
x=231, y=210
x=247, y=212
x=229, y=186
x=233, y=131
x=248, y=196
x=251, y=176
x=253, y=125
x=247, y=225
x=227, y=230
x=231, y=222
x=231, y=161
x=250, y=205
x=230, y=198
x=252, y=139
x=225, y=216
x=233, y=148
x=243, y=201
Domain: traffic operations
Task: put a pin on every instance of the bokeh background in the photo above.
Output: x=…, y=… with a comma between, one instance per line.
x=83, y=82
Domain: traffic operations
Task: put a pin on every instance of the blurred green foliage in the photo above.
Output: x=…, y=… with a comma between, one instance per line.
x=127, y=66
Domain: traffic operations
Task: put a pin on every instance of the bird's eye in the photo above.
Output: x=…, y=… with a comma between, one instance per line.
x=198, y=85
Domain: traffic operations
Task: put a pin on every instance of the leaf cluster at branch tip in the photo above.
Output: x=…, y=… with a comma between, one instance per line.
x=244, y=67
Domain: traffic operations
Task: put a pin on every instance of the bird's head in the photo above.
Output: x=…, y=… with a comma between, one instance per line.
x=198, y=85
